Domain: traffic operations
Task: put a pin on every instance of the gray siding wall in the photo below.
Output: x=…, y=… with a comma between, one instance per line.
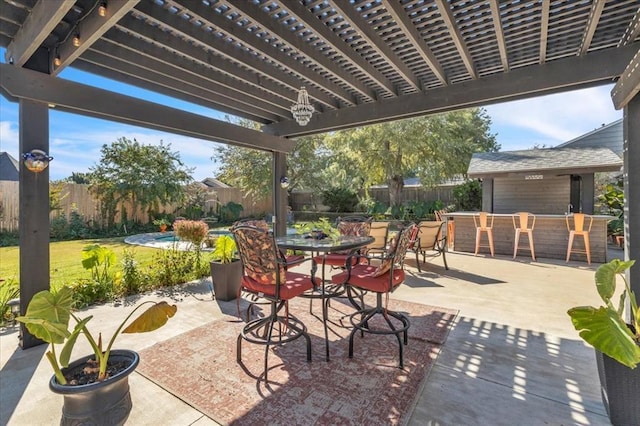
x=545, y=196
x=607, y=137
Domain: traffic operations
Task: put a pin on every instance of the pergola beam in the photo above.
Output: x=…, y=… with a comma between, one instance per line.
x=44, y=17
x=90, y=30
x=299, y=45
x=331, y=39
x=399, y=15
x=91, y=101
x=536, y=80
x=592, y=24
x=205, y=40
x=628, y=85
x=497, y=25
x=456, y=36
x=349, y=14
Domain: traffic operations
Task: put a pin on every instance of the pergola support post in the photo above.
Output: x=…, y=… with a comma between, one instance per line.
x=631, y=149
x=34, y=211
x=280, y=194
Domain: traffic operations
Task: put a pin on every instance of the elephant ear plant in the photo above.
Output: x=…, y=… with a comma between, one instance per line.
x=605, y=327
x=48, y=316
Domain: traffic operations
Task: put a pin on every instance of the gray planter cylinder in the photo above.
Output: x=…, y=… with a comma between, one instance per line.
x=226, y=278
x=620, y=388
x=103, y=403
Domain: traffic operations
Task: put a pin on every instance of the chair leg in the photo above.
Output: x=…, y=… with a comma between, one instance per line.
x=587, y=247
x=478, y=236
x=533, y=252
x=444, y=259
x=570, y=246
x=516, y=242
x=490, y=236
x=417, y=259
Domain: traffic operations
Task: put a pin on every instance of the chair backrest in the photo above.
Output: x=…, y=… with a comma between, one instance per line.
x=380, y=233
x=521, y=221
x=439, y=214
x=429, y=233
x=358, y=226
x=579, y=222
x=261, y=259
x=396, y=252
x=483, y=220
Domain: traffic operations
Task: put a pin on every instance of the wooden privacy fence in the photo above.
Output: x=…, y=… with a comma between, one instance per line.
x=78, y=198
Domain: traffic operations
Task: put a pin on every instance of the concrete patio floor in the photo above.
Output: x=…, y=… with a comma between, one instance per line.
x=512, y=356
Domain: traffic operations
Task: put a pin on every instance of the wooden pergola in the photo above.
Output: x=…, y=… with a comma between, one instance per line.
x=361, y=61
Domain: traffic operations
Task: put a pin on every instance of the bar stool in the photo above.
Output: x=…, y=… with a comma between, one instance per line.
x=578, y=229
x=483, y=224
x=523, y=226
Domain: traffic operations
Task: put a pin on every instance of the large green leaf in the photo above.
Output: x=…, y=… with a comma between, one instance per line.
x=48, y=315
x=606, y=277
x=604, y=330
x=153, y=318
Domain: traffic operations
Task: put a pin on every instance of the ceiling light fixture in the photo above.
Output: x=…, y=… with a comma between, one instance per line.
x=102, y=9
x=302, y=110
x=76, y=40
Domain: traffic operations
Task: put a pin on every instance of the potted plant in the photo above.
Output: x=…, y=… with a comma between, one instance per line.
x=616, y=341
x=226, y=269
x=95, y=387
x=162, y=223
x=319, y=229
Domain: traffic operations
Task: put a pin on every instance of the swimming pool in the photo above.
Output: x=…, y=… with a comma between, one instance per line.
x=169, y=240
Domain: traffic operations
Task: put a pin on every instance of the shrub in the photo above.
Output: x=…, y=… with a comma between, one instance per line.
x=230, y=212
x=340, y=199
x=194, y=231
x=468, y=196
x=132, y=279
x=8, y=290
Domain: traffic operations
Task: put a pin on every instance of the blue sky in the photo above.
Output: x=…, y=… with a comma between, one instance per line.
x=75, y=140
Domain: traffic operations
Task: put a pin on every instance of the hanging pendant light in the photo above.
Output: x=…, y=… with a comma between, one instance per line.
x=302, y=110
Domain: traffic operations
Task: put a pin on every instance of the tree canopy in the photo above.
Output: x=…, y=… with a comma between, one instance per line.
x=144, y=175
x=434, y=148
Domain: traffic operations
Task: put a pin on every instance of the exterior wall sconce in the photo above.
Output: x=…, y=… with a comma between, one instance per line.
x=76, y=40
x=302, y=110
x=102, y=9
x=284, y=182
x=36, y=160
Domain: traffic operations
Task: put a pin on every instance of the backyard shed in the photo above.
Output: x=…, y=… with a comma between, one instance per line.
x=542, y=181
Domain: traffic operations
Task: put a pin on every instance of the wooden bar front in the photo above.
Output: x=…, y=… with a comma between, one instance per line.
x=550, y=237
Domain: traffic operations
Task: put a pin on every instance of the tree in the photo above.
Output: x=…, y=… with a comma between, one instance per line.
x=251, y=169
x=433, y=148
x=144, y=175
x=78, y=177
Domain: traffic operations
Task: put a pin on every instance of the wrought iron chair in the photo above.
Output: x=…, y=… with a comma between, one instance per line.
x=352, y=225
x=429, y=240
x=265, y=275
x=381, y=280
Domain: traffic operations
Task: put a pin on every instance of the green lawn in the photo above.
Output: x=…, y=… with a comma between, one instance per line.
x=66, y=258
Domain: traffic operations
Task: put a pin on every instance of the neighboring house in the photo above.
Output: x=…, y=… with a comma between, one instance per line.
x=607, y=136
x=9, y=167
x=548, y=181
x=214, y=183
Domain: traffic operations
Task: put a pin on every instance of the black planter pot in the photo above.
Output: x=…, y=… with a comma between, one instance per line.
x=620, y=387
x=226, y=279
x=102, y=403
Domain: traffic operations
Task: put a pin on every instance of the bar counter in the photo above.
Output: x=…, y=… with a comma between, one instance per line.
x=550, y=236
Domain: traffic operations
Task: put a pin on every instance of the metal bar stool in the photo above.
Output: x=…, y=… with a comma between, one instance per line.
x=578, y=229
x=523, y=226
x=484, y=223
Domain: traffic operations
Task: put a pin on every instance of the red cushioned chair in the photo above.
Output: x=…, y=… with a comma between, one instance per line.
x=265, y=275
x=381, y=280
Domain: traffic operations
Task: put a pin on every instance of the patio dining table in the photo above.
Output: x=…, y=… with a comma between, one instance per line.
x=325, y=245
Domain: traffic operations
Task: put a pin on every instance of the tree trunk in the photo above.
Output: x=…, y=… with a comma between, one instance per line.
x=396, y=184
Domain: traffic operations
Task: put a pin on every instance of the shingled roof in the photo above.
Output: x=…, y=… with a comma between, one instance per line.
x=544, y=161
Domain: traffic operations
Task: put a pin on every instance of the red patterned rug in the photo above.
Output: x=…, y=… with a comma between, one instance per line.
x=200, y=368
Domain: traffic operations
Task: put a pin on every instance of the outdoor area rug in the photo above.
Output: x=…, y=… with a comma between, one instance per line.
x=200, y=368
